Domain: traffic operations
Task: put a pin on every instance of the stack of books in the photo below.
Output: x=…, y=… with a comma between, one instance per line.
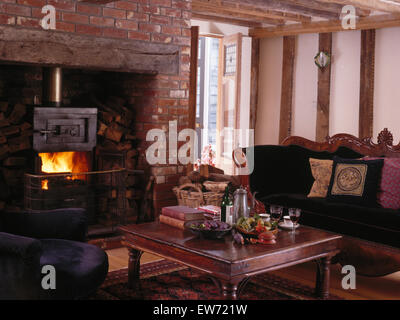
x=178, y=216
x=212, y=212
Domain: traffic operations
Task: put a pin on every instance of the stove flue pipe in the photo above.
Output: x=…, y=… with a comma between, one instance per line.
x=52, y=86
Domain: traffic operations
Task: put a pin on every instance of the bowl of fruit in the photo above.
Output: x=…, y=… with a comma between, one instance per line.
x=256, y=230
x=210, y=229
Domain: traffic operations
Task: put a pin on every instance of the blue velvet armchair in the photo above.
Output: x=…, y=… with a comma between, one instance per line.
x=30, y=241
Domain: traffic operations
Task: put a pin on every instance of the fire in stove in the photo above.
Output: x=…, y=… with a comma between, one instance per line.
x=63, y=162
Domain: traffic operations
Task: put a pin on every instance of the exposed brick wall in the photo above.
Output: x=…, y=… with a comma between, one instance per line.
x=157, y=99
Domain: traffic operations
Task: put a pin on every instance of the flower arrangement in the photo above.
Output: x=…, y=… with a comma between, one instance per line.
x=207, y=157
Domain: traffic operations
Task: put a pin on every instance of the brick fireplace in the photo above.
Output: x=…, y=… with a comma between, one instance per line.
x=128, y=59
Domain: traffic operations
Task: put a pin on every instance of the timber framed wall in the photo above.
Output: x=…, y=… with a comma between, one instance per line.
x=359, y=98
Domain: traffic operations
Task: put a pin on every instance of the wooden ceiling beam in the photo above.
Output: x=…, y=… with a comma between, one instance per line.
x=289, y=8
x=378, y=5
x=239, y=16
x=327, y=6
x=228, y=20
x=306, y=7
x=371, y=22
x=70, y=50
x=207, y=7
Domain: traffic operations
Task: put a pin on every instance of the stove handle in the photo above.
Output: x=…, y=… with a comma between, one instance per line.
x=47, y=131
x=56, y=131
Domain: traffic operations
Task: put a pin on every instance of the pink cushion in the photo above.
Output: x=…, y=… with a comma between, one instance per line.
x=389, y=193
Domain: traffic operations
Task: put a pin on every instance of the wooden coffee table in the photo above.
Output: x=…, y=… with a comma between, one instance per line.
x=231, y=265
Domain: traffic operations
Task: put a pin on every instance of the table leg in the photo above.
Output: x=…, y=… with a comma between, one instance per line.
x=323, y=275
x=230, y=290
x=134, y=268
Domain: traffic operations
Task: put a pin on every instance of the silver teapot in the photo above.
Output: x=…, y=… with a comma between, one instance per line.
x=240, y=204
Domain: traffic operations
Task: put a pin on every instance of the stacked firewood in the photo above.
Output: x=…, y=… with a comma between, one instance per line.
x=15, y=140
x=207, y=173
x=115, y=135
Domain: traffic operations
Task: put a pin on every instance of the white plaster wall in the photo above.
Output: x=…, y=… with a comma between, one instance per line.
x=345, y=83
x=269, y=97
x=305, y=87
x=387, y=82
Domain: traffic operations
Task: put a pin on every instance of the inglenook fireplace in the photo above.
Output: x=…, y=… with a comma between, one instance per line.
x=137, y=79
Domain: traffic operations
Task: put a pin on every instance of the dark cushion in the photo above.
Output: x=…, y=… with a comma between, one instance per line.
x=373, y=224
x=80, y=267
x=355, y=181
x=286, y=169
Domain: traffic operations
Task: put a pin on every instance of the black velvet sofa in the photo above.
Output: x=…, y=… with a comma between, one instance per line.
x=282, y=176
x=30, y=241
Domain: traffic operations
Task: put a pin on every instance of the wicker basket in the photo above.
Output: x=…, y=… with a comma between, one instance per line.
x=213, y=198
x=194, y=197
x=215, y=186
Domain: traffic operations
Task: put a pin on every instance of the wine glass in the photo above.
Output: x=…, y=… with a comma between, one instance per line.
x=276, y=213
x=294, y=214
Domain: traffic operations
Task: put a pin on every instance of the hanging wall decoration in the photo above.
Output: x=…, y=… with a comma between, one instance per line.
x=322, y=59
x=230, y=59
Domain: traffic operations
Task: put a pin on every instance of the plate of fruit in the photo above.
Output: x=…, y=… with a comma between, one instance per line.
x=210, y=229
x=255, y=230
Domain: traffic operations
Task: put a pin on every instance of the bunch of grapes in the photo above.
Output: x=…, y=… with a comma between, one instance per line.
x=212, y=225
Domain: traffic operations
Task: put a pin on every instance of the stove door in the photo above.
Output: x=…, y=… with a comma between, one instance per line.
x=64, y=129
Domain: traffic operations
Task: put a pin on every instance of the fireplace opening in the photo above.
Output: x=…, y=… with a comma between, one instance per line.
x=81, y=146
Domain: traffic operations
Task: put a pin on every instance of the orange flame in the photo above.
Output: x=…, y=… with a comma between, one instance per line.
x=45, y=184
x=63, y=162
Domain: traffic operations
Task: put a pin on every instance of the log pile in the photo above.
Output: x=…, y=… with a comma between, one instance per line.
x=115, y=136
x=207, y=173
x=15, y=144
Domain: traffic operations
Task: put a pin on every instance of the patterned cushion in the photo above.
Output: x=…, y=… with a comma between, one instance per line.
x=355, y=181
x=321, y=171
x=389, y=193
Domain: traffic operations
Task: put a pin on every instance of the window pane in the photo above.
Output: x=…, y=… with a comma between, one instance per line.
x=213, y=90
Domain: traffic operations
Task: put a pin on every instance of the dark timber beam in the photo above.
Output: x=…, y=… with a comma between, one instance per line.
x=255, y=69
x=289, y=53
x=367, y=78
x=324, y=89
x=76, y=51
x=193, y=76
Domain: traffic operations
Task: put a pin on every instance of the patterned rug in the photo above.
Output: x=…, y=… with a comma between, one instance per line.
x=167, y=280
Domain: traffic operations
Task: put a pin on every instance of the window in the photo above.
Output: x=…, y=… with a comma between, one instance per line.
x=207, y=91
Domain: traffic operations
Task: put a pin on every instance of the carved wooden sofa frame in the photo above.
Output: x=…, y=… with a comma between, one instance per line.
x=369, y=258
